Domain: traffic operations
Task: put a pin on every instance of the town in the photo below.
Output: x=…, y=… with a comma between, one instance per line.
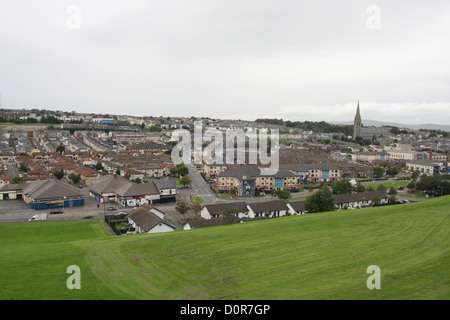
x=119, y=168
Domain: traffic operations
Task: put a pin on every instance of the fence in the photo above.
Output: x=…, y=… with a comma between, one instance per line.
x=119, y=224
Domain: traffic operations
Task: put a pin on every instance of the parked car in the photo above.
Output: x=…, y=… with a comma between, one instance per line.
x=111, y=209
x=122, y=214
x=400, y=188
x=88, y=217
x=56, y=211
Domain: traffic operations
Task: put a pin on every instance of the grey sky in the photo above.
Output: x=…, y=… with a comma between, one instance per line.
x=297, y=60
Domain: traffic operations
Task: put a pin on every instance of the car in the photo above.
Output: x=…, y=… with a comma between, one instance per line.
x=111, y=209
x=56, y=211
x=400, y=188
x=122, y=214
x=88, y=217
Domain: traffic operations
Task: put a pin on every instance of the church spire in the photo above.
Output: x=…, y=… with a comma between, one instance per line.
x=357, y=123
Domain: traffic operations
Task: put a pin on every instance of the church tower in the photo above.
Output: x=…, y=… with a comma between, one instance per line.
x=357, y=124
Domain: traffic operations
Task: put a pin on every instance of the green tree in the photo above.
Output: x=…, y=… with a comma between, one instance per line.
x=376, y=200
x=99, y=166
x=16, y=180
x=320, y=201
x=360, y=188
x=229, y=214
x=183, y=170
x=60, y=149
x=392, y=191
x=75, y=178
x=342, y=187
x=281, y=194
x=59, y=174
x=378, y=172
x=23, y=167
x=185, y=181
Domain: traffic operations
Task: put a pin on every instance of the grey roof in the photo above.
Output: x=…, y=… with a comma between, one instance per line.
x=276, y=205
x=146, y=220
x=306, y=167
x=13, y=186
x=165, y=183
x=298, y=205
x=241, y=171
x=122, y=186
x=50, y=188
x=356, y=197
x=218, y=208
x=205, y=223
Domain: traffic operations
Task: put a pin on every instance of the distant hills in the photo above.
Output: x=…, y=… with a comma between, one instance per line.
x=368, y=123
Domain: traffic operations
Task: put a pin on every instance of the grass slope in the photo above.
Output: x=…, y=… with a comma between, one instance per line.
x=315, y=256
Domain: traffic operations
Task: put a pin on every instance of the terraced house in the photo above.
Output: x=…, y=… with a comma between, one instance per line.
x=114, y=188
x=247, y=180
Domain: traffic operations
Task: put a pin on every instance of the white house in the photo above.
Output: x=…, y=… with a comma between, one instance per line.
x=297, y=207
x=147, y=219
x=274, y=209
x=213, y=211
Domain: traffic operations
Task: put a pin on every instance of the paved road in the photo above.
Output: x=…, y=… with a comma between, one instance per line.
x=12, y=170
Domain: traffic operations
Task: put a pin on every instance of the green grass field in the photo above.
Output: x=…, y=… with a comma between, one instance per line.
x=315, y=256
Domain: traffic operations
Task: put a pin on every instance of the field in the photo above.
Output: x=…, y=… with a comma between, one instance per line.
x=315, y=256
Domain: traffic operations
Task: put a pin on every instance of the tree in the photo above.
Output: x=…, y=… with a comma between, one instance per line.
x=375, y=200
x=137, y=180
x=75, y=178
x=381, y=187
x=378, y=172
x=182, y=207
x=185, y=181
x=99, y=166
x=320, y=201
x=16, y=180
x=360, y=188
x=392, y=191
x=182, y=170
x=60, y=149
x=229, y=214
x=59, y=174
x=282, y=194
x=342, y=187
x=196, y=207
x=23, y=167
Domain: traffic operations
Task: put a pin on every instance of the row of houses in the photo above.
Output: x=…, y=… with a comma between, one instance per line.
x=392, y=155
x=147, y=219
x=247, y=180
x=279, y=208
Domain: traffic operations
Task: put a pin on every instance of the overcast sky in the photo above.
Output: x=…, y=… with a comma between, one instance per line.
x=240, y=59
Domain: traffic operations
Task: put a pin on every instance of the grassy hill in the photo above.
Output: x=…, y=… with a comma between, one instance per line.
x=315, y=256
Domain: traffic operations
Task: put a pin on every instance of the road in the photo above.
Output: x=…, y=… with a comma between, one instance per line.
x=200, y=188
x=12, y=170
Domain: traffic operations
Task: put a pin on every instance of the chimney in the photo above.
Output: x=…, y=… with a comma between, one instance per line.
x=115, y=175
